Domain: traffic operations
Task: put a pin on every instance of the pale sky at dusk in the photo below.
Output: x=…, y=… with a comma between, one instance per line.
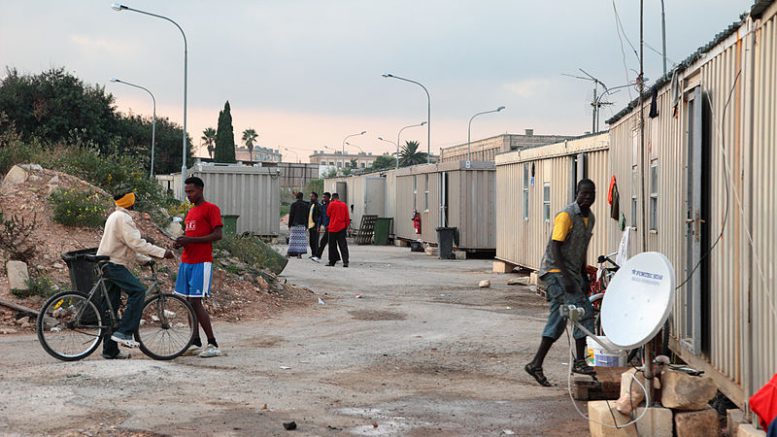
x=306, y=73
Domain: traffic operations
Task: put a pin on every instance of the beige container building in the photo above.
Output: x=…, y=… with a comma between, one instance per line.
x=532, y=185
x=710, y=196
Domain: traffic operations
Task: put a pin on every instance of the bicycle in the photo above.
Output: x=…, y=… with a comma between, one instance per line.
x=71, y=324
x=599, y=279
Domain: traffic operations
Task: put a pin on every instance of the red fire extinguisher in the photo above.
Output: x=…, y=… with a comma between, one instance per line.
x=417, y=222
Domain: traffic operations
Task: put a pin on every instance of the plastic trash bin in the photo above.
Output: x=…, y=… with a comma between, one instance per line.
x=445, y=240
x=82, y=272
x=230, y=224
x=382, y=230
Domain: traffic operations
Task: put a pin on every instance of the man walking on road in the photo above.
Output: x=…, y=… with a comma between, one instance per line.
x=121, y=241
x=314, y=223
x=203, y=227
x=339, y=219
x=563, y=276
x=325, y=226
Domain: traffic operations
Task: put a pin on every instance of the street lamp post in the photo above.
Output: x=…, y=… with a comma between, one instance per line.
x=153, y=120
x=296, y=155
x=469, y=131
x=400, y=133
x=428, y=114
x=349, y=136
x=121, y=7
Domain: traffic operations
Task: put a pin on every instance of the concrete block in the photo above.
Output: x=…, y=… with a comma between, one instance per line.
x=603, y=420
x=18, y=275
x=460, y=255
x=748, y=430
x=734, y=418
x=657, y=422
x=631, y=394
x=522, y=280
x=681, y=391
x=502, y=267
x=702, y=423
x=432, y=251
x=400, y=243
x=534, y=278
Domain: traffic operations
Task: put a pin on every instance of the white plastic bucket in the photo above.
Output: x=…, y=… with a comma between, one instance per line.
x=596, y=355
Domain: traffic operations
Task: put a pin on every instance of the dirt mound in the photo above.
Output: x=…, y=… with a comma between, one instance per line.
x=24, y=194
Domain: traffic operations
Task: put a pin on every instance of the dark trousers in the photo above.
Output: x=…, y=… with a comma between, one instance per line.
x=119, y=279
x=337, y=239
x=322, y=244
x=313, y=240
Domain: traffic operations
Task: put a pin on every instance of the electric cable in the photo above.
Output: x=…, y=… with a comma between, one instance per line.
x=618, y=27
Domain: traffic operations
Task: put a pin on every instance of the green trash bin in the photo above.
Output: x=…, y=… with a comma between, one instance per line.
x=230, y=224
x=382, y=230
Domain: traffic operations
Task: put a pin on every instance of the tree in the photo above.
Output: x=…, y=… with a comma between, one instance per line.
x=225, y=137
x=383, y=162
x=209, y=138
x=353, y=163
x=249, y=136
x=410, y=155
x=133, y=138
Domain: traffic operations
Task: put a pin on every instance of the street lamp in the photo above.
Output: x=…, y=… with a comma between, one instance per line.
x=153, y=119
x=349, y=136
x=400, y=133
x=428, y=114
x=354, y=145
x=296, y=155
x=120, y=7
x=469, y=130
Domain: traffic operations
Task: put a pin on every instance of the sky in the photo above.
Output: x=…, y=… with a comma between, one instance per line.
x=306, y=73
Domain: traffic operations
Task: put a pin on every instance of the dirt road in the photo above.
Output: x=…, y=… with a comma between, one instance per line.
x=404, y=344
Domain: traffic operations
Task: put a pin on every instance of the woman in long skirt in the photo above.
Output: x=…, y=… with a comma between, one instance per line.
x=298, y=241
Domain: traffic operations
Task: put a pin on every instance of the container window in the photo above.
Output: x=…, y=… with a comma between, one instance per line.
x=526, y=191
x=654, y=195
x=426, y=193
x=415, y=191
x=546, y=201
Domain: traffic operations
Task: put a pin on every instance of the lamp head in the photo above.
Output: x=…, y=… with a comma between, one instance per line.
x=363, y=132
x=381, y=138
x=388, y=75
x=423, y=123
x=118, y=7
x=500, y=108
x=113, y=79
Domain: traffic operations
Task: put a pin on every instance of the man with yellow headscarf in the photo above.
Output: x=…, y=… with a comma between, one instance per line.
x=122, y=242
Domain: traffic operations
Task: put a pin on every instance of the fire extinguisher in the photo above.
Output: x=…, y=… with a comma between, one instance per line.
x=417, y=222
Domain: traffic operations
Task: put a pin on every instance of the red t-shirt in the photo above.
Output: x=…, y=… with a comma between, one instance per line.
x=200, y=221
x=339, y=218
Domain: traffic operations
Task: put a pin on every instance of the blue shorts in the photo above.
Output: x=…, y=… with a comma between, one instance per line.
x=558, y=296
x=194, y=279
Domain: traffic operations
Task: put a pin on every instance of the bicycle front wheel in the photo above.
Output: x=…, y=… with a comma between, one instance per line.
x=167, y=327
x=69, y=326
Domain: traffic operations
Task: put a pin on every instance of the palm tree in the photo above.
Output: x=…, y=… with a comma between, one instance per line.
x=209, y=137
x=410, y=154
x=249, y=136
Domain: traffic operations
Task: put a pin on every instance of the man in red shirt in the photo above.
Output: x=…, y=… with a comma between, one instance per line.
x=339, y=219
x=203, y=227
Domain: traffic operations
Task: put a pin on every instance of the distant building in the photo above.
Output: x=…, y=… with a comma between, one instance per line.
x=486, y=149
x=340, y=160
x=260, y=154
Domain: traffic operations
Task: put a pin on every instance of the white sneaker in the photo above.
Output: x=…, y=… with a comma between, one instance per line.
x=316, y=259
x=124, y=339
x=193, y=350
x=210, y=352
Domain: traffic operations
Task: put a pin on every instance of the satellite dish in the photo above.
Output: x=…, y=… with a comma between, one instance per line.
x=638, y=300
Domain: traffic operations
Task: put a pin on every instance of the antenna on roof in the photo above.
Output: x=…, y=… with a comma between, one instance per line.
x=596, y=102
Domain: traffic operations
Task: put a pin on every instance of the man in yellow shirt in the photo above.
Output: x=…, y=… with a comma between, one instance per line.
x=563, y=275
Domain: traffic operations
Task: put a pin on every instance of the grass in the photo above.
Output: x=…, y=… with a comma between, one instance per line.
x=285, y=209
x=254, y=252
x=41, y=286
x=79, y=208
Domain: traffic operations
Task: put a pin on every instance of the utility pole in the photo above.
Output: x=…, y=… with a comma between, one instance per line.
x=663, y=34
x=595, y=103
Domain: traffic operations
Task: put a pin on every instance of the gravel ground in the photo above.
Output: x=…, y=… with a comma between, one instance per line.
x=404, y=344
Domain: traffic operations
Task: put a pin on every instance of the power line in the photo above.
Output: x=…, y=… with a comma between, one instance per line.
x=618, y=30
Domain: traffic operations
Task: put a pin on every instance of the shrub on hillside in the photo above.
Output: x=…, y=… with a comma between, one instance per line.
x=41, y=286
x=254, y=252
x=78, y=208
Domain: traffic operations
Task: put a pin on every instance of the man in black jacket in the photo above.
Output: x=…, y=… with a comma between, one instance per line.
x=298, y=223
x=314, y=223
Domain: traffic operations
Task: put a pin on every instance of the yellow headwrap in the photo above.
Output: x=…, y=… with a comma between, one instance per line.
x=126, y=201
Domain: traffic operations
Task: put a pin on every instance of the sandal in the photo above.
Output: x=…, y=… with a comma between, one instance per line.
x=582, y=368
x=536, y=373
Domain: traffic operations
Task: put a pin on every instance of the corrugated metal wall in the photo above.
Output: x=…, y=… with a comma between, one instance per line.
x=737, y=79
x=523, y=241
x=253, y=193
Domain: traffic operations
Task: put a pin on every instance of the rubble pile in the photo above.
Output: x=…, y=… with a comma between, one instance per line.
x=240, y=291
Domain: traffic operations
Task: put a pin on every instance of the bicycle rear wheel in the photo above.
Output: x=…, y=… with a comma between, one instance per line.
x=69, y=326
x=167, y=327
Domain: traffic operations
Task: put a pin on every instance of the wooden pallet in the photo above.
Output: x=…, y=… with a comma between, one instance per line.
x=606, y=385
x=366, y=229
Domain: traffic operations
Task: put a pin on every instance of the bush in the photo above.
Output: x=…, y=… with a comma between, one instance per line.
x=16, y=237
x=41, y=286
x=254, y=252
x=78, y=208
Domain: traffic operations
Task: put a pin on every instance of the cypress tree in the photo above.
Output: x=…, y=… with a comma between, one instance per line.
x=225, y=137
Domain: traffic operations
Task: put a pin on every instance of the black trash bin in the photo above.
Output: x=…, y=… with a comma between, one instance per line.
x=82, y=272
x=445, y=240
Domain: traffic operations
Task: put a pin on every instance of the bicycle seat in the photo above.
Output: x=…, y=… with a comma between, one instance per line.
x=97, y=258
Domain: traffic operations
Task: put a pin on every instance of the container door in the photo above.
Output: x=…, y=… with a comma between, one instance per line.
x=691, y=331
x=341, y=188
x=443, y=187
x=374, y=195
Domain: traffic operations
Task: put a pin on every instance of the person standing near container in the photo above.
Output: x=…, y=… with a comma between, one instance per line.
x=339, y=219
x=203, y=226
x=314, y=223
x=121, y=241
x=298, y=225
x=324, y=226
x=563, y=275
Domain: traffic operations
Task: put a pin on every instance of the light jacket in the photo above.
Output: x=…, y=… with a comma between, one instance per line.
x=122, y=241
